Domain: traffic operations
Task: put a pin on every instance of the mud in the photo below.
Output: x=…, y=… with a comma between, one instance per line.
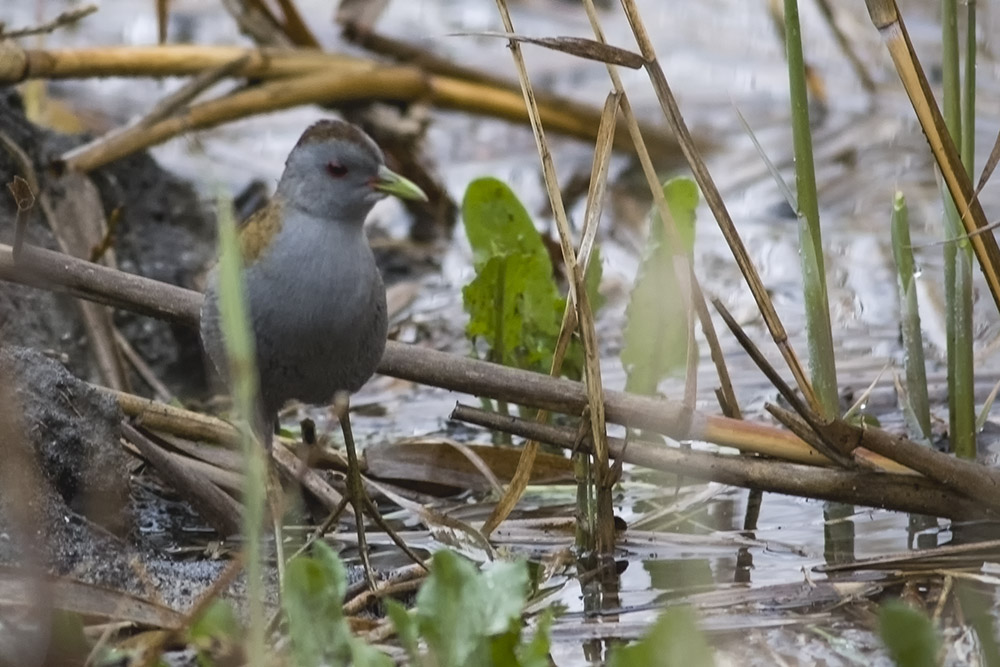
x=163, y=232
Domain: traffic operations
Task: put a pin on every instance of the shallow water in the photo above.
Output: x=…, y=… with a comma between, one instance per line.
x=866, y=146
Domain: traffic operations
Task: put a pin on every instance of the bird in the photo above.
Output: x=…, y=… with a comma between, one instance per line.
x=314, y=293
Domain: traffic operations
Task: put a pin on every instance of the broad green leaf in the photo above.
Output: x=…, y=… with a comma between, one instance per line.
x=512, y=305
x=460, y=610
x=909, y=635
x=497, y=224
x=674, y=641
x=656, y=328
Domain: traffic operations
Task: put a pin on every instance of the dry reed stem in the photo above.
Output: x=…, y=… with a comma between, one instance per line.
x=595, y=201
x=682, y=264
x=492, y=97
x=578, y=295
x=714, y=199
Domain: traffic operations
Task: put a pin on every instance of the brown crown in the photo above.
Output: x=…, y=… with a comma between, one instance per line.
x=334, y=130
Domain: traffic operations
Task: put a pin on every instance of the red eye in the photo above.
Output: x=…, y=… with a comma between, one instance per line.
x=336, y=169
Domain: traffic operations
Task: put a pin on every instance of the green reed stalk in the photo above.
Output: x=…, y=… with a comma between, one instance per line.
x=969, y=91
x=243, y=375
x=821, y=357
x=958, y=263
x=909, y=317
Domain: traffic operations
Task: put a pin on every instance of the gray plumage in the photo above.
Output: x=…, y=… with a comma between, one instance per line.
x=315, y=295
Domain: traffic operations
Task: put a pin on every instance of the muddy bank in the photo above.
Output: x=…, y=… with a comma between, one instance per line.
x=160, y=230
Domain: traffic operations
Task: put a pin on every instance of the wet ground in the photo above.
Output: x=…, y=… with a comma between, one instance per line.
x=718, y=56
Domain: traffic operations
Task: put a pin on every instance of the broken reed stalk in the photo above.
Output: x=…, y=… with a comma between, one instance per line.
x=900, y=492
x=24, y=199
x=713, y=198
x=917, y=403
x=604, y=537
x=595, y=202
x=212, y=503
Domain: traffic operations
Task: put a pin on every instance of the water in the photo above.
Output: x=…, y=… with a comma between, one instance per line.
x=866, y=147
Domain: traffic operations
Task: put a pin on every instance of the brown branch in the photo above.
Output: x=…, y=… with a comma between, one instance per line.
x=56, y=271
x=904, y=493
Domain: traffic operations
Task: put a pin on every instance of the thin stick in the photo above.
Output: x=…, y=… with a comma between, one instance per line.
x=61, y=21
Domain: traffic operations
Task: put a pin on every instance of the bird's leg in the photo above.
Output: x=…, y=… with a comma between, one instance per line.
x=359, y=497
x=355, y=486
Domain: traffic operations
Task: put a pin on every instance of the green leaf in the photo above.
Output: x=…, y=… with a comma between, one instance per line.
x=460, y=610
x=674, y=641
x=406, y=628
x=682, y=199
x=497, y=224
x=512, y=304
x=909, y=635
x=536, y=652
x=657, y=324
x=219, y=620
x=312, y=596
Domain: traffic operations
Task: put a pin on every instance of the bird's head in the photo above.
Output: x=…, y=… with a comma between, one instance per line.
x=336, y=171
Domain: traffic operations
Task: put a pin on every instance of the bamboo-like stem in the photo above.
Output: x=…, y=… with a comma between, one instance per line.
x=958, y=260
x=819, y=334
x=909, y=318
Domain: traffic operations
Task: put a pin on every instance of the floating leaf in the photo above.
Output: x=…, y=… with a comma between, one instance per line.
x=656, y=329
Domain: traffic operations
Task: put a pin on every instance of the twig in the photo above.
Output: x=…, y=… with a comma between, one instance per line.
x=65, y=19
x=142, y=368
x=168, y=106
